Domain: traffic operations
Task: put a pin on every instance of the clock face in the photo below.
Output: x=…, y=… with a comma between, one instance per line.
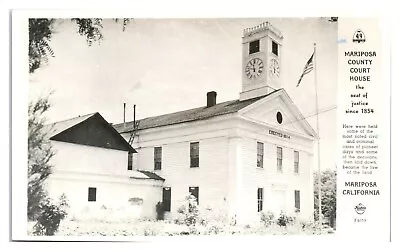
x=254, y=68
x=274, y=69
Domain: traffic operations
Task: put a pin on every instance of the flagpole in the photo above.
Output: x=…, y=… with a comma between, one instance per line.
x=319, y=160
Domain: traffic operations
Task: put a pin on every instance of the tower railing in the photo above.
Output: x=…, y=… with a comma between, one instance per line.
x=262, y=27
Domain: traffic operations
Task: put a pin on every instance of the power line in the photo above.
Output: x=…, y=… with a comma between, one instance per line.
x=321, y=111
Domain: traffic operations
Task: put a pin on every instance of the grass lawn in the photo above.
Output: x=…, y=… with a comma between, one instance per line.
x=169, y=228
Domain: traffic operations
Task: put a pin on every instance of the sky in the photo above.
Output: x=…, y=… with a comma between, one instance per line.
x=168, y=65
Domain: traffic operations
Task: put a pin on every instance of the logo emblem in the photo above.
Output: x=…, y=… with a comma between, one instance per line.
x=360, y=208
x=359, y=37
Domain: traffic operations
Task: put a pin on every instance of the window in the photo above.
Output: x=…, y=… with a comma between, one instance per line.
x=194, y=154
x=279, y=117
x=260, y=198
x=157, y=158
x=254, y=46
x=130, y=157
x=296, y=162
x=92, y=194
x=274, y=48
x=166, y=199
x=195, y=192
x=260, y=154
x=297, y=200
x=279, y=158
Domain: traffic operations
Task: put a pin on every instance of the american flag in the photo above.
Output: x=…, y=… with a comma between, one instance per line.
x=307, y=69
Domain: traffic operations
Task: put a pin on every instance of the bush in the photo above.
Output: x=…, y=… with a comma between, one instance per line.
x=267, y=218
x=51, y=216
x=160, y=211
x=284, y=219
x=309, y=226
x=189, y=211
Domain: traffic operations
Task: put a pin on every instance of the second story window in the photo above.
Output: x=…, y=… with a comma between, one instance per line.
x=296, y=162
x=157, y=158
x=254, y=46
x=260, y=154
x=194, y=154
x=279, y=159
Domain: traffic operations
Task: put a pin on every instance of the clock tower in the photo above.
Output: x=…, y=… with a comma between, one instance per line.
x=261, y=66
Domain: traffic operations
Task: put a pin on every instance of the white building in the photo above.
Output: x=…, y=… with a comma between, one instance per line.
x=90, y=168
x=243, y=156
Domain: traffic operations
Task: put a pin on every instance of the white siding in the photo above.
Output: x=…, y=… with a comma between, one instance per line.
x=89, y=159
x=78, y=167
x=278, y=187
x=228, y=176
x=211, y=176
x=113, y=194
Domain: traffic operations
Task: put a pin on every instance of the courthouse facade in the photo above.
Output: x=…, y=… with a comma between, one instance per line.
x=243, y=156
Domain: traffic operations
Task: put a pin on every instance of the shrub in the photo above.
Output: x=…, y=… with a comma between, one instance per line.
x=51, y=216
x=160, y=211
x=309, y=226
x=267, y=218
x=215, y=228
x=151, y=230
x=284, y=219
x=189, y=211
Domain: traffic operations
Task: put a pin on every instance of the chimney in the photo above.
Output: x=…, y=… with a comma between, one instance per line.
x=134, y=117
x=211, y=98
x=124, y=113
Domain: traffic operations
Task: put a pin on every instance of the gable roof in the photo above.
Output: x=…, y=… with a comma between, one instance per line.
x=195, y=114
x=299, y=118
x=223, y=108
x=60, y=126
x=91, y=129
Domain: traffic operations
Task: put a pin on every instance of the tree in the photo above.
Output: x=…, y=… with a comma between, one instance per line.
x=39, y=154
x=42, y=29
x=39, y=148
x=328, y=195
